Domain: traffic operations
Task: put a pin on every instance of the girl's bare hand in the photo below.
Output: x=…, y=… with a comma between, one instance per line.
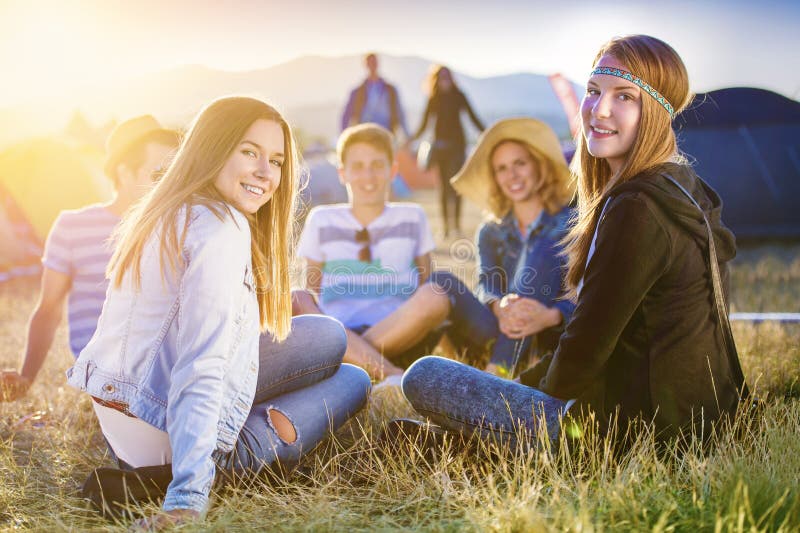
x=12, y=385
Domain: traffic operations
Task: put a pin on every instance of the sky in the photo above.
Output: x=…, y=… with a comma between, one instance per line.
x=48, y=47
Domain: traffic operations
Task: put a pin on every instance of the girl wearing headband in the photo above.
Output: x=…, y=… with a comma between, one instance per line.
x=177, y=370
x=647, y=339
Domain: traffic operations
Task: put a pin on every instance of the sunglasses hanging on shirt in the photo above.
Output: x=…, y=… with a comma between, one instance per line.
x=365, y=253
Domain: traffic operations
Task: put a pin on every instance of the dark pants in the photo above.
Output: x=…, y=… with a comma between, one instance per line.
x=449, y=158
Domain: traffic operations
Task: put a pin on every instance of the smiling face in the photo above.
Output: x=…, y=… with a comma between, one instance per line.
x=367, y=173
x=252, y=172
x=611, y=110
x=515, y=171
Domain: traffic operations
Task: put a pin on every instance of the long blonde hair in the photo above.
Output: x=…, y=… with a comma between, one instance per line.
x=214, y=134
x=660, y=65
x=553, y=187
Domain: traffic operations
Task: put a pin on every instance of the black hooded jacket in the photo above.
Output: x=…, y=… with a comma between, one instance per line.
x=644, y=337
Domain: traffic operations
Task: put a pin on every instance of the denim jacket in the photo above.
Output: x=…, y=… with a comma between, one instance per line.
x=182, y=351
x=539, y=274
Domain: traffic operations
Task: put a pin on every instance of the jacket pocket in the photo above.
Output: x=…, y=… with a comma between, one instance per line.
x=249, y=279
x=246, y=310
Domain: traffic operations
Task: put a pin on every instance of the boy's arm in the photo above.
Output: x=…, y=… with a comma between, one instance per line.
x=41, y=329
x=424, y=266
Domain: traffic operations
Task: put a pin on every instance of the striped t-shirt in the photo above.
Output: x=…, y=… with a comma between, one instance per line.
x=360, y=293
x=79, y=246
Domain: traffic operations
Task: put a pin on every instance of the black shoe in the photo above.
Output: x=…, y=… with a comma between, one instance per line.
x=117, y=493
x=402, y=434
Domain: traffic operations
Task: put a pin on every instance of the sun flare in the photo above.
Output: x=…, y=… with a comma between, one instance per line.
x=48, y=45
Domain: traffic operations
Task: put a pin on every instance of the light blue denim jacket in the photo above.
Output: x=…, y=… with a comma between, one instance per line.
x=182, y=351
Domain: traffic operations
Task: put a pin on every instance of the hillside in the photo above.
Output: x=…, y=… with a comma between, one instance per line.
x=311, y=90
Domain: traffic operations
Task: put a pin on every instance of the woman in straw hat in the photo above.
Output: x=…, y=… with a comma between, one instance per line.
x=177, y=369
x=518, y=174
x=650, y=338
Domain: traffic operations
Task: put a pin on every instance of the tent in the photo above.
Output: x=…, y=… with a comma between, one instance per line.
x=38, y=179
x=745, y=143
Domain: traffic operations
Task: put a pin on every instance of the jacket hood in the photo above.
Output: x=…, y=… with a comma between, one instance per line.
x=677, y=206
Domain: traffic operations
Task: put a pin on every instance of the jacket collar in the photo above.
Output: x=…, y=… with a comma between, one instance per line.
x=510, y=227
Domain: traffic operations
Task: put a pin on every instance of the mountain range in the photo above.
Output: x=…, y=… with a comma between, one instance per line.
x=311, y=91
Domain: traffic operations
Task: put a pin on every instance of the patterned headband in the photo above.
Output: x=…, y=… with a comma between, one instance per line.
x=625, y=75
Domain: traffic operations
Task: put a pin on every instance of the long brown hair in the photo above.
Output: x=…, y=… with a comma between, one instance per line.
x=660, y=65
x=214, y=134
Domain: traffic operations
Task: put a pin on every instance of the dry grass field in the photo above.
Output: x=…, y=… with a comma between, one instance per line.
x=50, y=441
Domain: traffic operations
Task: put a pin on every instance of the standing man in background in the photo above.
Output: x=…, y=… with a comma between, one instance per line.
x=79, y=247
x=376, y=101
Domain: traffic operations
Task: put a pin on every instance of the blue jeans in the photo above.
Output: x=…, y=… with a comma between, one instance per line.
x=474, y=325
x=461, y=398
x=304, y=379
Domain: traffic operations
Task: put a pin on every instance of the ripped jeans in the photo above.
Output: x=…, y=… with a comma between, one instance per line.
x=304, y=379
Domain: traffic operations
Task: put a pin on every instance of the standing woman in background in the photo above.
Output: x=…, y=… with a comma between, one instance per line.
x=177, y=368
x=445, y=103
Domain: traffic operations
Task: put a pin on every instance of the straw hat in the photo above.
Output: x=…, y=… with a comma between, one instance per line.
x=475, y=180
x=125, y=135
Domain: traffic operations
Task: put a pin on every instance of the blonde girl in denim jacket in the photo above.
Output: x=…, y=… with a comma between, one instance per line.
x=178, y=368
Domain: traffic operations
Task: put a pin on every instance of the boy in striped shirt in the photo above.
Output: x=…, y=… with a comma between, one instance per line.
x=365, y=258
x=79, y=247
